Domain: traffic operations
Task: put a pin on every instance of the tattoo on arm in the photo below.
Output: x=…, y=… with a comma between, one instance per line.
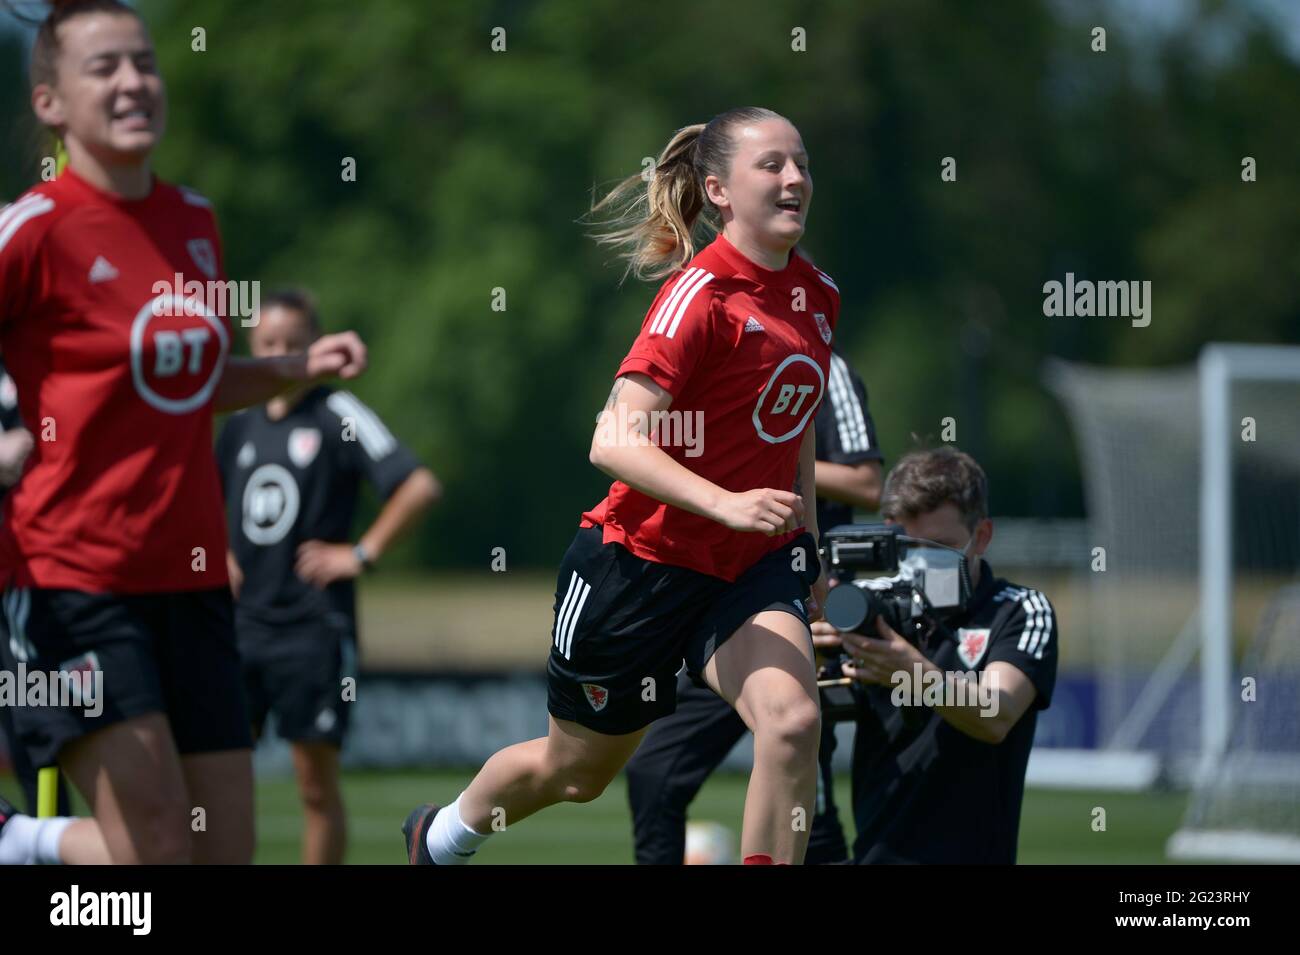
x=798, y=478
x=613, y=394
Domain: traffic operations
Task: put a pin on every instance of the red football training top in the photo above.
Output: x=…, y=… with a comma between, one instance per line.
x=745, y=353
x=115, y=382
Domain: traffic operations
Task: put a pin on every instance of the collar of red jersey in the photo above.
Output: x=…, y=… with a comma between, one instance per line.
x=93, y=191
x=751, y=269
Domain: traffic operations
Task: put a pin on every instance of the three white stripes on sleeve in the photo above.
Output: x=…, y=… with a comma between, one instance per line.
x=1038, y=624
x=671, y=311
x=12, y=217
x=376, y=439
x=850, y=421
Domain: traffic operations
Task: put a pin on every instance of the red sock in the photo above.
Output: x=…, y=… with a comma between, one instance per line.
x=758, y=860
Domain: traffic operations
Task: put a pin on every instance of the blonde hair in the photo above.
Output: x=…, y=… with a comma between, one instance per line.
x=654, y=228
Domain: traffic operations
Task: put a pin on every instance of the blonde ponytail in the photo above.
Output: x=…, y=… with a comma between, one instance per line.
x=654, y=224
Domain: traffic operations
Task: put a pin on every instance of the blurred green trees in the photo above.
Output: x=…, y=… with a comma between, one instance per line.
x=472, y=165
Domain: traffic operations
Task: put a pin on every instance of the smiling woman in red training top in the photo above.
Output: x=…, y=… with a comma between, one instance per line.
x=704, y=550
x=113, y=544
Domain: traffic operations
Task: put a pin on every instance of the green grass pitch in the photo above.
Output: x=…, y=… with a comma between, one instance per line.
x=1056, y=827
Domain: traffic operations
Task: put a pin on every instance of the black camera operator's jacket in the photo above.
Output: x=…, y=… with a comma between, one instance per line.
x=923, y=791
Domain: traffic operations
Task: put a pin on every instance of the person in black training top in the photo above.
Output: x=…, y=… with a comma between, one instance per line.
x=683, y=749
x=292, y=471
x=943, y=783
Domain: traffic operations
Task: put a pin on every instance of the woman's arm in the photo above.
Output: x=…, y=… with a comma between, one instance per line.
x=235, y=573
x=404, y=506
x=805, y=483
x=621, y=447
x=252, y=381
x=855, y=484
x=805, y=479
x=320, y=563
x=15, y=445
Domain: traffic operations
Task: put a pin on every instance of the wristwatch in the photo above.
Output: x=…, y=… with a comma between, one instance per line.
x=363, y=558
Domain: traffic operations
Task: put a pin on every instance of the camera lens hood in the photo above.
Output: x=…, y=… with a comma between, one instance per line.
x=847, y=607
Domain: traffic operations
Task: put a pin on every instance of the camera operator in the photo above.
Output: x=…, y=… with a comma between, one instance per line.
x=939, y=767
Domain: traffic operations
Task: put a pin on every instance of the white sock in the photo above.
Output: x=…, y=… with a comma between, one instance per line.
x=28, y=841
x=450, y=841
x=48, y=838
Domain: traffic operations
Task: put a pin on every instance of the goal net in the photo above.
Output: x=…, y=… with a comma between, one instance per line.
x=1192, y=480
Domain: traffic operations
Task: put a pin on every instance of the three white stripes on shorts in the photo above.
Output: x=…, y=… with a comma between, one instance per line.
x=566, y=621
x=17, y=608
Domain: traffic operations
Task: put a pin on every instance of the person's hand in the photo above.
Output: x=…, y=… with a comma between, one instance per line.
x=874, y=660
x=342, y=355
x=236, y=574
x=763, y=509
x=826, y=639
x=321, y=564
x=817, y=599
x=15, y=445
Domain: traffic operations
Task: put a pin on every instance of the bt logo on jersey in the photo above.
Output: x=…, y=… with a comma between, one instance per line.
x=170, y=347
x=178, y=348
x=270, y=504
x=787, y=393
x=789, y=399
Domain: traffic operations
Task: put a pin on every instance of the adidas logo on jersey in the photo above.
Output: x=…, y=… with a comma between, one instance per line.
x=753, y=325
x=102, y=271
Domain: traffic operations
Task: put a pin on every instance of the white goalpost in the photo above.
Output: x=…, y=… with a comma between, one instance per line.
x=1246, y=802
x=1192, y=478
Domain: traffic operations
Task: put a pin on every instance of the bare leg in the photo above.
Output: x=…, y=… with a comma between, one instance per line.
x=324, y=835
x=766, y=672
x=83, y=844
x=571, y=764
x=131, y=776
x=221, y=784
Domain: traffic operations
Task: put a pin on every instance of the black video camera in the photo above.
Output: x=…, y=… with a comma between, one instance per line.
x=909, y=582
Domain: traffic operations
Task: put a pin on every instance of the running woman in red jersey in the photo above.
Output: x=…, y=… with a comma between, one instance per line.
x=113, y=545
x=704, y=550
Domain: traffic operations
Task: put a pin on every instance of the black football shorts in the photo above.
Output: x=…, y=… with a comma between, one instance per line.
x=134, y=654
x=297, y=672
x=625, y=625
